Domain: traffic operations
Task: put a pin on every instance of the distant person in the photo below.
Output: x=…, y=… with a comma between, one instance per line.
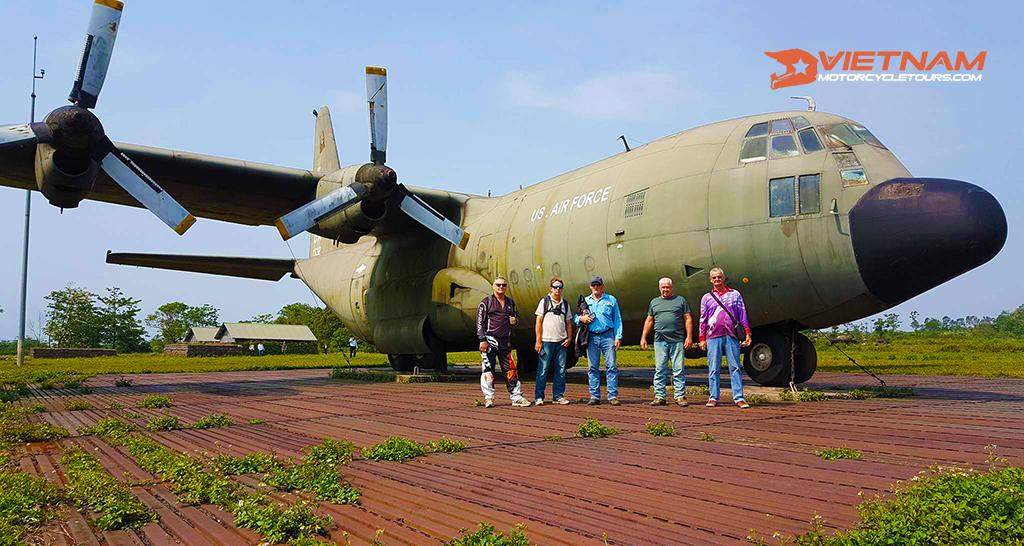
x=495, y=317
x=284, y=347
x=604, y=323
x=554, y=333
x=325, y=348
x=722, y=316
x=259, y=348
x=252, y=349
x=353, y=345
x=669, y=315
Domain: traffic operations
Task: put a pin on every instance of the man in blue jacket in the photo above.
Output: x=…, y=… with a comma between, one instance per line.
x=604, y=323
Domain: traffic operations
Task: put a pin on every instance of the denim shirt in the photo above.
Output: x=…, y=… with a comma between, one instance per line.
x=606, y=315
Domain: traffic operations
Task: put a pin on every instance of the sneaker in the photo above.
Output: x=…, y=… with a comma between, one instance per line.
x=594, y=402
x=538, y=402
x=681, y=401
x=521, y=403
x=712, y=403
x=742, y=404
x=561, y=401
x=489, y=403
x=614, y=401
x=658, y=402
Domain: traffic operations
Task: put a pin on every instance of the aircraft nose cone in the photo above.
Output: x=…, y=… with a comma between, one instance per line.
x=912, y=234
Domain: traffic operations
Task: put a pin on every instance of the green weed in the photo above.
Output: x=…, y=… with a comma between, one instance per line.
x=155, y=401
x=167, y=422
x=445, y=445
x=256, y=421
x=487, y=536
x=706, y=437
x=77, y=405
x=36, y=408
x=699, y=390
x=660, y=429
x=378, y=377
x=252, y=463
x=552, y=438
x=109, y=427
x=132, y=415
x=834, y=453
x=591, y=428
x=786, y=395
x=122, y=382
x=394, y=448
x=26, y=504
x=280, y=523
x=14, y=427
x=212, y=421
x=92, y=487
x=115, y=406
x=811, y=396
x=758, y=399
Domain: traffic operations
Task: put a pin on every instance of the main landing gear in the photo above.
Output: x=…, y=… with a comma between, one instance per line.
x=436, y=360
x=777, y=351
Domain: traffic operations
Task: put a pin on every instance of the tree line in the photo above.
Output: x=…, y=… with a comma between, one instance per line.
x=78, y=318
x=1007, y=323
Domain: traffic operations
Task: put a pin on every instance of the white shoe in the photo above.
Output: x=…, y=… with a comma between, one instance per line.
x=561, y=401
x=489, y=403
x=521, y=403
x=538, y=402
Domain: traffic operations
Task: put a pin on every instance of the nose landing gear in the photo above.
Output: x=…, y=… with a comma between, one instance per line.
x=774, y=355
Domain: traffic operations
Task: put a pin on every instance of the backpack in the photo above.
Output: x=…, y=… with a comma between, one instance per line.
x=562, y=309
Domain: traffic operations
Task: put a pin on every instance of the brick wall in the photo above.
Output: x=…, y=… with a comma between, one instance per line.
x=202, y=349
x=63, y=352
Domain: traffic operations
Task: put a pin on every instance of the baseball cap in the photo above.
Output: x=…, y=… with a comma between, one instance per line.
x=597, y=279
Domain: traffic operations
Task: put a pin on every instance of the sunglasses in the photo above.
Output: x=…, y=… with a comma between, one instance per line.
x=596, y=284
x=556, y=286
x=500, y=284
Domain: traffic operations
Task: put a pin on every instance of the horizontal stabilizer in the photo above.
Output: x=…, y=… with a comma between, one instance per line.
x=270, y=269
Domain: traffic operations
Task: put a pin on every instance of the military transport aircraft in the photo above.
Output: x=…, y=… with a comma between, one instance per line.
x=810, y=215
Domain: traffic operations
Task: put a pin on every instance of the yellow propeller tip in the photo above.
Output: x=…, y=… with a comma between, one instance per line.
x=182, y=227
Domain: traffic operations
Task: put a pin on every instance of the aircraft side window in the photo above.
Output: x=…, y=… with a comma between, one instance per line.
x=868, y=137
x=810, y=194
x=810, y=142
x=853, y=177
x=840, y=136
x=758, y=129
x=800, y=122
x=754, y=149
x=784, y=146
x=782, y=196
x=782, y=126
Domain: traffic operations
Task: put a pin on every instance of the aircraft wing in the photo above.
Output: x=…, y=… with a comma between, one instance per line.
x=231, y=190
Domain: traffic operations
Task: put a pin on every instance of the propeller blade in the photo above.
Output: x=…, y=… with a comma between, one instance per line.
x=129, y=176
x=99, y=45
x=377, y=99
x=308, y=215
x=423, y=213
x=23, y=134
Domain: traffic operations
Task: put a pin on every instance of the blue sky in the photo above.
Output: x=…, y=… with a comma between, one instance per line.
x=481, y=98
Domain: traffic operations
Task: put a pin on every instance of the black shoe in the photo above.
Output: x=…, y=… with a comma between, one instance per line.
x=594, y=402
x=614, y=401
x=659, y=402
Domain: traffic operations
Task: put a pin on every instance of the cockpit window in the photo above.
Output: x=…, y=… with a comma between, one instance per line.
x=754, y=149
x=840, y=136
x=784, y=146
x=757, y=129
x=782, y=196
x=863, y=133
x=801, y=122
x=853, y=177
x=810, y=141
x=782, y=126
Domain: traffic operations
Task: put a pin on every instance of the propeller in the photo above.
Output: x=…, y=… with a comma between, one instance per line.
x=76, y=133
x=376, y=184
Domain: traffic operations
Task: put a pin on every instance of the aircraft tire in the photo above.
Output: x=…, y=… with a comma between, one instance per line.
x=402, y=363
x=805, y=359
x=767, y=361
x=437, y=362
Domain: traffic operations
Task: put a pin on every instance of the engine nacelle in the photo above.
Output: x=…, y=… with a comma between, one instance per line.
x=65, y=178
x=352, y=223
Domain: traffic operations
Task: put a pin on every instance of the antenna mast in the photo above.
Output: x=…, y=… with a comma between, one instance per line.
x=28, y=211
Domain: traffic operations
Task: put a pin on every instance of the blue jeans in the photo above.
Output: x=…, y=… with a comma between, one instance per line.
x=551, y=352
x=602, y=344
x=664, y=353
x=731, y=347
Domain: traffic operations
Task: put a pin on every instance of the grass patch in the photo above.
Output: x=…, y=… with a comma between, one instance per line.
x=660, y=429
x=811, y=396
x=378, y=377
x=394, y=448
x=155, y=401
x=115, y=406
x=833, y=453
x=706, y=437
x=699, y=390
x=487, y=536
x=26, y=504
x=279, y=524
x=132, y=415
x=93, y=488
x=167, y=422
x=109, y=427
x=122, y=382
x=478, y=402
x=77, y=405
x=758, y=399
x=446, y=445
x=36, y=408
x=552, y=438
x=255, y=462
x=591, y=428
x=14, y=427
x=786, y=395
x=256, y=421
x=213, y=420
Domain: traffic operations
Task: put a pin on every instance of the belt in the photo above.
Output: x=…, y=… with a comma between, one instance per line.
x=601, y=333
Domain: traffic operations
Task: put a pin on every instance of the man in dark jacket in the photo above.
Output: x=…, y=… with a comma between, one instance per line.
x=495, y=317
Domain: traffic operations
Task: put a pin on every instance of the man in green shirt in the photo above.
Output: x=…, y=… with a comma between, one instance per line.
x=669, y=315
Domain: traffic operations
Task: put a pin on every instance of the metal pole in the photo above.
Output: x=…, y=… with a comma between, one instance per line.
x=28, y=211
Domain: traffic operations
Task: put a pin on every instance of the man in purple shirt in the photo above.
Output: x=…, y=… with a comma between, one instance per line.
x=719, y=310
x=495, y=318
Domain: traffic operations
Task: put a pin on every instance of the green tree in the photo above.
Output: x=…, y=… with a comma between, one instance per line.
x=296, y=313
x=1010, y=322
x=73, y=320
x=120, y=328
x=175, y=319
x=266, y=318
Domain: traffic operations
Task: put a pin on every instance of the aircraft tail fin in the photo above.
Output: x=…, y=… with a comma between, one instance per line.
x=325, y=149
x=269, y=269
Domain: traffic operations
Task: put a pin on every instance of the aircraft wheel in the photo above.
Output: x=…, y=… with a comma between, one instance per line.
x=805, y=359
x=437, y=362
x=527, y=360
x=767, y=361
x=402, y=363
